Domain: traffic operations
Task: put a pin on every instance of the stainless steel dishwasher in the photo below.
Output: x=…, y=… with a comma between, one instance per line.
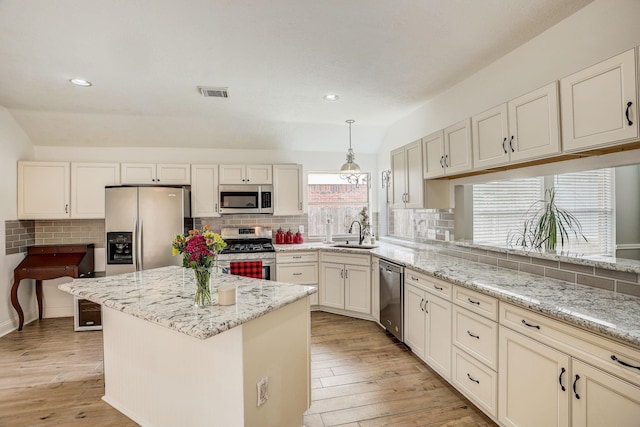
x=392, y=298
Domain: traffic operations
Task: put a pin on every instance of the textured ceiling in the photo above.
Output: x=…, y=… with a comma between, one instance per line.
x=278, y=58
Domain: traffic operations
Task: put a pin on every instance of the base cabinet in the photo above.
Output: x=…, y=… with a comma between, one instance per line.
x=300, y=268
x=427, y=320
x=604, y=399
x=345, y=282
x=533, y=383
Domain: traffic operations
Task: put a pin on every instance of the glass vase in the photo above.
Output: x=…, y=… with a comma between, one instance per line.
x=203, y=286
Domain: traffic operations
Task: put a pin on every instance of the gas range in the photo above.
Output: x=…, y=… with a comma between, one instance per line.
x=247, y=240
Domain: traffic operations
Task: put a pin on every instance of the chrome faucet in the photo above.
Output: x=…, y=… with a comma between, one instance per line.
x=360, y=235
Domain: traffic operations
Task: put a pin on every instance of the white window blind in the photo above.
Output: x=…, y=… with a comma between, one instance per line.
x=498, y=207
x=589, y=196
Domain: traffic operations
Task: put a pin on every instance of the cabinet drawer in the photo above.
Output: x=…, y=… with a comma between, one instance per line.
x=603, y=353
x=342, y=258
x=297, y=273
x=475, y=301
x=476, y=335
x=290, y=257
x=430, y=284
x=476, y=381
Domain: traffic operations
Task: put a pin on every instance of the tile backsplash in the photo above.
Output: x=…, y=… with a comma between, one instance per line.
x=421, y=225
x=18, y=235
x=267, y=221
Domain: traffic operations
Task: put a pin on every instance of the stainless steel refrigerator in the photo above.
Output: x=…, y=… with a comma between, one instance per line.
x=140, y=224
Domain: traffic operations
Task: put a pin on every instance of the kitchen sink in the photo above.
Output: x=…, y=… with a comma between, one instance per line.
x=348, y=246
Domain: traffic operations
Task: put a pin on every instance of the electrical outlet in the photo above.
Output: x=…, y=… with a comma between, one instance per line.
x=301, y=228
x=262, y=390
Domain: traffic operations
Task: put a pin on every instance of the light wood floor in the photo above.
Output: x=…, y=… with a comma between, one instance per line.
x=52, y=376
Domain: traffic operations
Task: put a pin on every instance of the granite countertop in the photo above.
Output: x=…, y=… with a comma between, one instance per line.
x=608, y=313
x=165, y=296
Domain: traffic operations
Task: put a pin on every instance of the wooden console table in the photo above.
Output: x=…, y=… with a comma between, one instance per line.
x=51, y=262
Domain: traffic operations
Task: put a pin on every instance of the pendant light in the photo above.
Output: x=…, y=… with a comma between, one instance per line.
x=350, y=171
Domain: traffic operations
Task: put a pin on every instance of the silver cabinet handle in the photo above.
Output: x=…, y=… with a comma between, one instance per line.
x=425, y=306
x=524, y=322
x=346, y=274
x=342, y=274
x=473, y=302
x=66, y=208
x=438, y=288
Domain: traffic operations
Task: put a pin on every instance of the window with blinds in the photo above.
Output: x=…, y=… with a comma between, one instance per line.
x=500, y=207
x=589, y=196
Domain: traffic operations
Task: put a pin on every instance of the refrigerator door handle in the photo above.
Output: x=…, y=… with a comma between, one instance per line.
x=135, y=245
x=140, y=260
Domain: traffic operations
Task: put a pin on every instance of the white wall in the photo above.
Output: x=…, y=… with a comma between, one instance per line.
x=600, y=30
x=14, y=146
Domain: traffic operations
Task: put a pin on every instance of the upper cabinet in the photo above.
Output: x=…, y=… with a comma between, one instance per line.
x=204, y=191
x=523, y=129
x=406, y=176
x=246, y=174
x=599, y=104
x=43, y=190
x=287, y=190
x=151, y=173
x=448, y=152
x=88, y=181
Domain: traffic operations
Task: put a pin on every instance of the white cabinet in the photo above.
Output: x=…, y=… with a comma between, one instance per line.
x=345, y=282
x=475, y=347
x=599, y=104
x=287, y=190
x=88, y=181
x=406, y=176
x=246, y=174
x=533, y=383
x=204, y=191
x=604, y=399
x=526, y=128
x=427, y=322
x=151, y=173
x=448, y=152
x=300, y=268
x=43, y=190
x=579, y=378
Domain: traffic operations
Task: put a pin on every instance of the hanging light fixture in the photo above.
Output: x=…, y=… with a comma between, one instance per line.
x=350, y=171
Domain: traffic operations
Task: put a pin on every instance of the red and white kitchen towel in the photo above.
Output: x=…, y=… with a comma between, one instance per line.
x=246, y=268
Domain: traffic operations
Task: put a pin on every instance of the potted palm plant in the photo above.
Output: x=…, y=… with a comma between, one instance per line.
x=545, y=224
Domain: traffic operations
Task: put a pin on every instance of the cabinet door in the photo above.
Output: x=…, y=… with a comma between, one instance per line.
x=375, y=288
x=414, y=186
x=43, y=190
x=490, y=131
x=87, y=187
x=534, y=124
x=531, y=381
x=604, y=399
x=204, y=191
x=259, y=174
x=138, y=173
x=457, y=147
x=595, y=103
x=357, y=288
x=173, y=174
x=433, y=153
x=398, y=178
x=287, y=190
x=232, y=174
x=332, y=285
x=414, y=319
x=438, y=335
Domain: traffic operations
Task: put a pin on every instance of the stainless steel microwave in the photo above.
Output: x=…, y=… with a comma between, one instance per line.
x=246, y=199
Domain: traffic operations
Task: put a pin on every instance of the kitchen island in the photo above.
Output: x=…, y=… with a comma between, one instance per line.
x=168, y=362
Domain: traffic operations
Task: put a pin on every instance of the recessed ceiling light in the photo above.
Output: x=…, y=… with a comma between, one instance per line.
x=331, y=97
x=80, y=82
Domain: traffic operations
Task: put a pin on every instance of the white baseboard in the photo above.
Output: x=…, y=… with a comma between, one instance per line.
x=11, y=325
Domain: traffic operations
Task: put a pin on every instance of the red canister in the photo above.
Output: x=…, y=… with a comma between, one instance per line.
x=279, y=237
x=298, y=238
x=288, y=237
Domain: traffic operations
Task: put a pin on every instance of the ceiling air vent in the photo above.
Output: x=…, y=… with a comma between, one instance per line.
x=216, y=92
